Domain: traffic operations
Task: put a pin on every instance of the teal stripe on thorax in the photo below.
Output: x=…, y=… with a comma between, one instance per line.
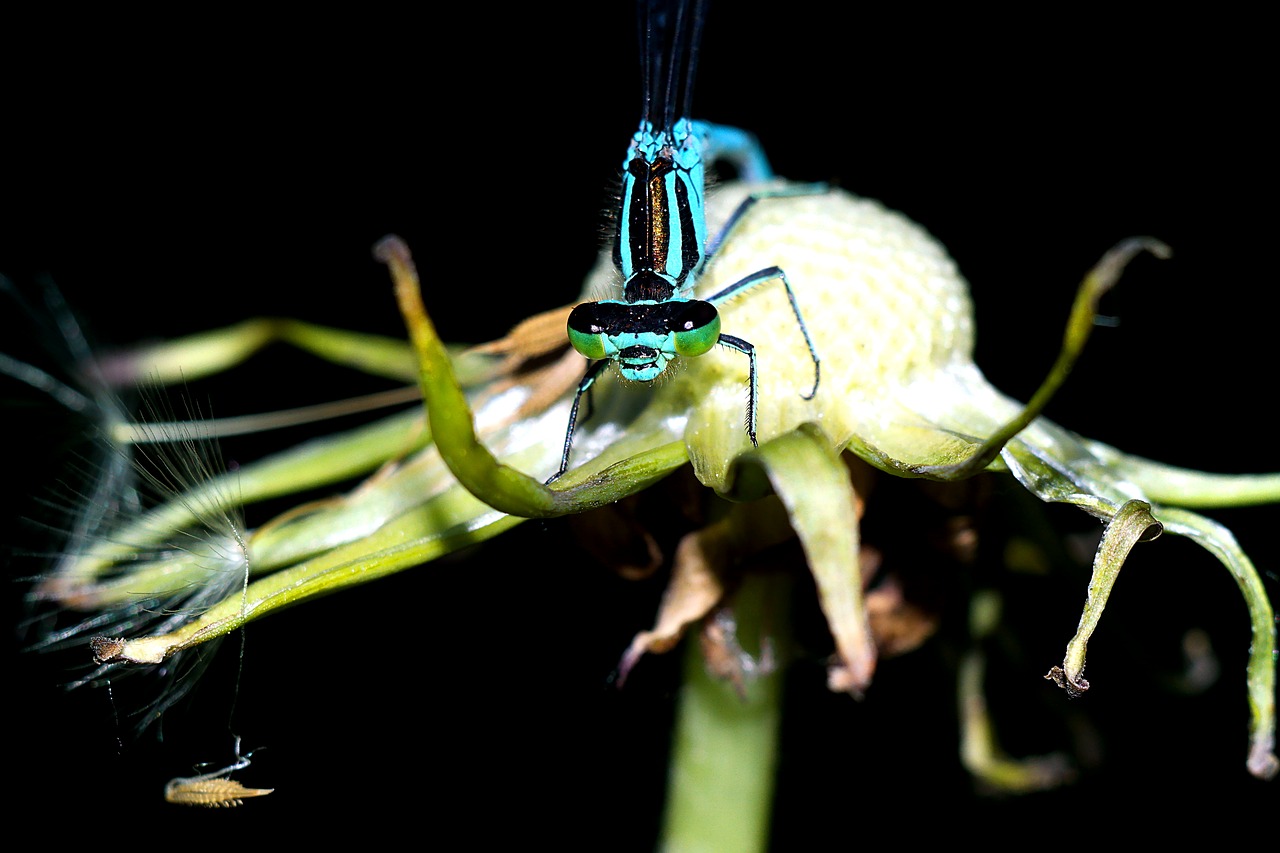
x=662, y=229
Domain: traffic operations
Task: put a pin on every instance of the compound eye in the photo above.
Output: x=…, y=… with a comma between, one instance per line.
x=696, y=328
x=587, y=331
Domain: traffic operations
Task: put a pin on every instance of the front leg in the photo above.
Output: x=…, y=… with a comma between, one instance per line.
x=584, y=387
x=749, y=351
x=789, y=191
x=759, y=277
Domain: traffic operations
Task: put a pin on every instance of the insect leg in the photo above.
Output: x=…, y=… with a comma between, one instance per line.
x=584, y=387
x=790, y=191
x=750, y=351
x=750, y=281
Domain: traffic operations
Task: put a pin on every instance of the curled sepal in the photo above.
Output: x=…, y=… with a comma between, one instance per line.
x=186, y=359
x=476, y=468
x=442, y=525
x=1261, y=671
x=1100, y=279
x=815, y=488
x=1185, y=487
x=1132, y=523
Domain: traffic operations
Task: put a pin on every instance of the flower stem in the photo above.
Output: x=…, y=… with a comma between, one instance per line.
x=720, y=789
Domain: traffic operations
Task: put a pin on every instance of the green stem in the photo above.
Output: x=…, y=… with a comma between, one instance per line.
x=720, y=789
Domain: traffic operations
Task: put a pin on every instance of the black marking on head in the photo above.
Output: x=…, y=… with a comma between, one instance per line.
x=619, y=318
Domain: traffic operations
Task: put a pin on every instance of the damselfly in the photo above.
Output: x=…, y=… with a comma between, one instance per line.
x=661, y=243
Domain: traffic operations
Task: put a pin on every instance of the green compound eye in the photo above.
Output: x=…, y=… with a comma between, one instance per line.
x=586, y=331
x=696, y=328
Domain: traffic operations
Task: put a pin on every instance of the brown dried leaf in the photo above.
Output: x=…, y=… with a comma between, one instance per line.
x=696, y=586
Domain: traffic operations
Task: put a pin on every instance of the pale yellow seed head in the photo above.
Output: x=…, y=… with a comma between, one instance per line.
x=883, y=302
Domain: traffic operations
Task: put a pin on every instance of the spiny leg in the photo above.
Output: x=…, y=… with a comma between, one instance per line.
x=790, y=191
x=759, y=277
x=771, y=272
x=749, y=351
x=584, y=387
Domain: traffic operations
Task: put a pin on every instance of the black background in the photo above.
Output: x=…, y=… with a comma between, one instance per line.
x=242, y=167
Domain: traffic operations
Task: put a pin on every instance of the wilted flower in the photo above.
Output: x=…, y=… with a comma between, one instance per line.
x=900, y=400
